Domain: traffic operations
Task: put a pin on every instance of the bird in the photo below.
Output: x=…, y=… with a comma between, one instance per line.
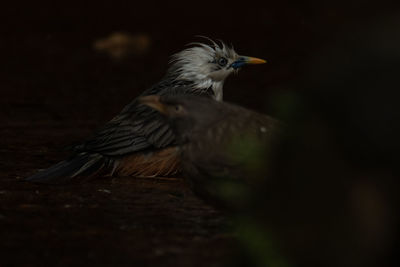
x=138, y=141
x=223, y=148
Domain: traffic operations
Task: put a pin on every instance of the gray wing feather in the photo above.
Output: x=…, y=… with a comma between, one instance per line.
x=137, y=127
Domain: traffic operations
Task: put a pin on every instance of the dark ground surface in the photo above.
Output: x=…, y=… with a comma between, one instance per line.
x=116, y=222
x=56, y=89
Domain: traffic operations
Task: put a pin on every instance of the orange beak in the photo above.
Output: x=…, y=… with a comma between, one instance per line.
x=242, y=60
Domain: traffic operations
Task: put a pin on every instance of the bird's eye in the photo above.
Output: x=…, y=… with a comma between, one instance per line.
x=178, y=108
x=222, y=61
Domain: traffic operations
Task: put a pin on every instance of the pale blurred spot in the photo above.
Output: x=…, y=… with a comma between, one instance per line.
x=120, y=45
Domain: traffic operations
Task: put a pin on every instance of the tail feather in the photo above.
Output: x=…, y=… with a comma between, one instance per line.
x=64, y=171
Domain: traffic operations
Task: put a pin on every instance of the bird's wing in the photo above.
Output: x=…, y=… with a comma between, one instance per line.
x=136, y=128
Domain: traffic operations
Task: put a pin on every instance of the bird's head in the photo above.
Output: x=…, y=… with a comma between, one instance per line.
x=208, y=65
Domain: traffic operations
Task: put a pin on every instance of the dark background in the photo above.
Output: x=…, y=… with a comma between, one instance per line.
x=56, y=89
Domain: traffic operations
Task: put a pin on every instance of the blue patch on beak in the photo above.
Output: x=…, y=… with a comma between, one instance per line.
x=238, y=63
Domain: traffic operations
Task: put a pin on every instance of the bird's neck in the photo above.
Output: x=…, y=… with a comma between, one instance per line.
x=199, y=82
x=215, y=86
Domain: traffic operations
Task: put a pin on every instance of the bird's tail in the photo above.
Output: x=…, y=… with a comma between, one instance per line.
x=64, y=171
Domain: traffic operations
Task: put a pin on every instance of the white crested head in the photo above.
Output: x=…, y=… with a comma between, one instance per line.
x=204, y=61
x=208, y=65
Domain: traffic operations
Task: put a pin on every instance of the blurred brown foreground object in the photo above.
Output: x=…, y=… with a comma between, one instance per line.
x=223, y=148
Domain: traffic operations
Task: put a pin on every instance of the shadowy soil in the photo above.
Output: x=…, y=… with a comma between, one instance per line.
x=110, y=221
